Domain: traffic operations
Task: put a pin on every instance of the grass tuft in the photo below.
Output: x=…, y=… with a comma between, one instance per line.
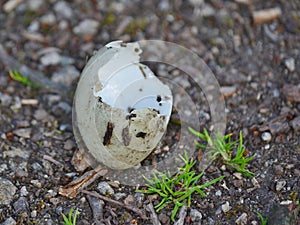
x=221, y=146
x=177, y=189
x=71, y=219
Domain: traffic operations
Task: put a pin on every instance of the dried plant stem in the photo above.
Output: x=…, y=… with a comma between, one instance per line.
x=133, y=209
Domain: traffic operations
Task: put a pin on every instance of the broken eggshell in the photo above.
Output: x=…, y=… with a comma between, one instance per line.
x=121, y=109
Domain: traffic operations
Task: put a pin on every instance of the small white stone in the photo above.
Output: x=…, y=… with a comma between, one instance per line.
x=33, y=214
x=51, y=58
x=290, y=64
x=238, y=175
x=266, y=136
x=226, y=207
x=218, y=193
x=280, y=185
x=87, y=26
x=242, y=220
x=23, y=191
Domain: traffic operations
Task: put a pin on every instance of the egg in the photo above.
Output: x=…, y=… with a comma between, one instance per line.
x=121, y=109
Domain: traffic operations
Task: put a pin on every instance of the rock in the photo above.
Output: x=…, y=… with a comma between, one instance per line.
x=86, y=27
x=279, y=127
x=296, y=123
x=195, y=215
x=105, y=189
x=129, y=200
x=35, y=5
x=238, y=175
x=50, y=58
x=290, y=64
x=139, y=199
x=63, y=9
x=7, y=191
x=9, y=221
x=97, y=208
x=242, y=220
x=228, y=91
x=11, y=5
x=291, y=92
x=40, y=114
x=266, y=136
x=21, y=207
x=278, y=169
x=5, y=99
x=62, y=108
x=280, y=185
x=23, y=132
x=33, y=214
x=48, y=19
x=69, y=144
x=225, y=207
x=163, y=218
x=218, y=193
x=120, y=195
x=66, y=75
x=16, y=152
x=279, y=215
x=23, y=191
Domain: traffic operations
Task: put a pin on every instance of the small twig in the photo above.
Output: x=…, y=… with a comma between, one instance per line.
x=72, y=189
x=50, y=159
x=133, y=209
x=153, y=214
x=182, y=215
x=266, y=15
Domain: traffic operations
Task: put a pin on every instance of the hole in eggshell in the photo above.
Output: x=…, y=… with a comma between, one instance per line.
x=141, y=135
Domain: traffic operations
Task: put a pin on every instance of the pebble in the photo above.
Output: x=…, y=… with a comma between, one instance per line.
x=279, y=215
x=40, y=114
x=16, y=152
x=139, y=199
x=11, y=5
x=290, y=64
x=238, y=175
x=50, y=58
x=296, y=123
x=61, y=109
x=69, y=144
x=228, y=91
x=218, y=193
x=105, y=189
x=279, y=127
x=9, y=221
x=21, y=207
x=48, y=19
x=266, y=136
x=291, y=92
x=242, y=220
x=7, y=190
x=195, y=215
x=97, y=208
x=120, y=195
x=86, y=27
x=226, y=207
x=35, y=5
x=67, y=75
x=63, y=9
x=33, y=214
x=163, y=218
x=129, y=200
x=280, y=185
x=5, y=99
x=23, y=191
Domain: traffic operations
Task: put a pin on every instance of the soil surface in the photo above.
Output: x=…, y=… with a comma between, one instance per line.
x=256, y=65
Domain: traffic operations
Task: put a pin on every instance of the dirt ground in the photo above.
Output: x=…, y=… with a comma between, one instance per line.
x=255, y=62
